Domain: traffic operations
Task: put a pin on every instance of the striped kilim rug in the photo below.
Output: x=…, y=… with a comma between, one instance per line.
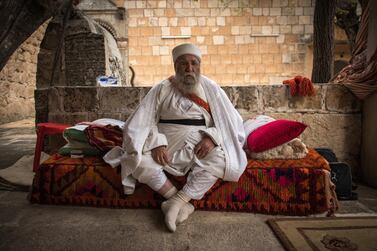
x=295, y=187
x=331, y=233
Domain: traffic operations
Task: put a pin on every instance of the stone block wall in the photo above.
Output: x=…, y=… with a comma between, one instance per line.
x=17, y=80
x=333, y=116
x=243, y=42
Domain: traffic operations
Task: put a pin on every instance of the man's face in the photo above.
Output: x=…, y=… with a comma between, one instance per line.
x=187, y=69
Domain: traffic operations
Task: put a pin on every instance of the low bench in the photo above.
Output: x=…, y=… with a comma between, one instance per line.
x=286, y=187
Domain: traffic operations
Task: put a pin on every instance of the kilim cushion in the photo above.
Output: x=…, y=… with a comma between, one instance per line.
x=290, y=187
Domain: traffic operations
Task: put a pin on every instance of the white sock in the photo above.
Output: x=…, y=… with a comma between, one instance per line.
x=185, y=212
x=172, y=191
x=171, y=208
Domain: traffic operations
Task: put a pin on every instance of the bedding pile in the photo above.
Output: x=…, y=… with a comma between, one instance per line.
x=92, y=138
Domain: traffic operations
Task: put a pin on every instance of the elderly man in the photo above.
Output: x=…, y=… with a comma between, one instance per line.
x=185, y=124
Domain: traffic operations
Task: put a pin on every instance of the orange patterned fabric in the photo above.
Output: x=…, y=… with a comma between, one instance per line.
x=104, y=138
x=199, y=101
x=273, y=187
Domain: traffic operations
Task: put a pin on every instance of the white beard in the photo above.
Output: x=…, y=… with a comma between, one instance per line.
x=187, y=84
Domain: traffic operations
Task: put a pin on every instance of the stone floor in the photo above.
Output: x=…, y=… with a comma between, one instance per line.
x=41, y=227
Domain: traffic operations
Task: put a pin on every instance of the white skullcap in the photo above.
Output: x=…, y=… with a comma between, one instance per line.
x=186, y=49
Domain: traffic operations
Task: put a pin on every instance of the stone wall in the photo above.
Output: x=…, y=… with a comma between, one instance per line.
x=17, y=80
x=333, y=116
x=243, y=42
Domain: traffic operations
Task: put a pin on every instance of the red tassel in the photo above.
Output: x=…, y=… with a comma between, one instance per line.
x=292, y=84
x=300, y=86
x=306, y=87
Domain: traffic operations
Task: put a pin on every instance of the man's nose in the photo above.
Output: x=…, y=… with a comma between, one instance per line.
x=189, y=68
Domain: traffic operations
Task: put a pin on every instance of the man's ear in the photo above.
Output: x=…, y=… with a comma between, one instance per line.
x=175, y=67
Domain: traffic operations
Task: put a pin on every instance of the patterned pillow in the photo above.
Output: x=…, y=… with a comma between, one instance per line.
x=273, y=134
x=104, y=138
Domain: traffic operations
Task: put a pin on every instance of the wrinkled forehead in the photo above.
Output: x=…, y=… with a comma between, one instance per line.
x=187, y=58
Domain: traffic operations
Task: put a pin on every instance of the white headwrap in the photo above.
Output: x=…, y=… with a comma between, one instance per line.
x=186, y=49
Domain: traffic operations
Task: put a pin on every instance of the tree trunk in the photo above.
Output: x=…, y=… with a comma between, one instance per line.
x=347, y=19
x=323, y=41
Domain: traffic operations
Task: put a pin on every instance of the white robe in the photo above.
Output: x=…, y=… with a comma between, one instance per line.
x=226, y=119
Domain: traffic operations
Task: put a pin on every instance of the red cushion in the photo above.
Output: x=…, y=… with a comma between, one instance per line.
x=274, y=134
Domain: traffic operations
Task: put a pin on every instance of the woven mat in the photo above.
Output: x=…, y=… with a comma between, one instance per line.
x=330, y=233
x=19, y=176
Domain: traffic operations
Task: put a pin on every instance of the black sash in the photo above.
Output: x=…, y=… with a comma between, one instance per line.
x=193, y=122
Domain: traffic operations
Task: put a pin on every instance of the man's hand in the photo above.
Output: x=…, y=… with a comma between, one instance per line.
x=160, y=155
x=204, y=147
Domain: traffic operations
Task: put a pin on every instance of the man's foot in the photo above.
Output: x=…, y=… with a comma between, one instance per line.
x=185, y=212
x=171, y=208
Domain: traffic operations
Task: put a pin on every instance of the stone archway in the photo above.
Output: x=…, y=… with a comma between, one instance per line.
x=18, y=80
x=23, y=26
x=108, y=27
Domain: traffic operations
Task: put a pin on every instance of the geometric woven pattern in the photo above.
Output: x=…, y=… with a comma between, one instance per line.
x=294, y=187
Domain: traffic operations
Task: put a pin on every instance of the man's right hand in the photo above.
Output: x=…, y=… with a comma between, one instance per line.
x=160, y=155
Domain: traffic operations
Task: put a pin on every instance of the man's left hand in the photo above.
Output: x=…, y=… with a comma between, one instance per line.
x=204, y=147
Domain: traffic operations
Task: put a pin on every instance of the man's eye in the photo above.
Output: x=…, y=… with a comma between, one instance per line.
x=185, y=64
